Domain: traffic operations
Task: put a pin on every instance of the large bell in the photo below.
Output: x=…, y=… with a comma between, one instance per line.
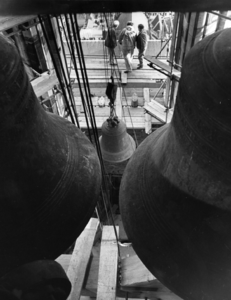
x=175, y=195
x=116, y=144
x=49, y=172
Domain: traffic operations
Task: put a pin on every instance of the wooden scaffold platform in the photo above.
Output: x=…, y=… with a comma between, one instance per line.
x=106, y=270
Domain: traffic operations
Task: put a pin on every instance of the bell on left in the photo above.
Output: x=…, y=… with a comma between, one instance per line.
x=50, y=174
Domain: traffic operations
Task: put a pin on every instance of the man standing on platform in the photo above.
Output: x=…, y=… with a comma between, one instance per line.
x=127, y=39
x=110, y=41
x=141, y=43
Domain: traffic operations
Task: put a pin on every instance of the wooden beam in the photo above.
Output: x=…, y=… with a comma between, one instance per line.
x=107, y=280
x=124, y=78
x=15, y=7
x=80, y=258
x=163, y=67
x=9, y=21
x=43, y=84
x=148, y=118
x=159, y=111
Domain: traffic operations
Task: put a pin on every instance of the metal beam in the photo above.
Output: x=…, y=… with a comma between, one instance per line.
x=23, y=7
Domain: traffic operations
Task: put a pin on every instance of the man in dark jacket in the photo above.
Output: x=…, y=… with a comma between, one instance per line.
x=141, y=43
x=110, y=41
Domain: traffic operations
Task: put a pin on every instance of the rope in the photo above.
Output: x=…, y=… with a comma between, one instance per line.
x=55, y=64
x=69, y=79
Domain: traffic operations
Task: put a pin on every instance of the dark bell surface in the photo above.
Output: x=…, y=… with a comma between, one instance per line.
x=175, y=195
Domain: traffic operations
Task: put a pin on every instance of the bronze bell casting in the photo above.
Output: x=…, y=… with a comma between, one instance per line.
x=175, y=195
x=116, y=144
x=49, y=172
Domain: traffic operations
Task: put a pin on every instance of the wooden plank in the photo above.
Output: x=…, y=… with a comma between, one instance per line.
x=107, y=280
x=118, y=102
x=9, y=21
x=169, y=115
x=80, y=258
x=148, y=118
x=165, y=67
x=125, y=101
x=128, y=91
x=157, y=110
x=43, y=84
x=130, y=125
x=136, y=123
x=139, y=74
x=135, y=279
x=127, y=112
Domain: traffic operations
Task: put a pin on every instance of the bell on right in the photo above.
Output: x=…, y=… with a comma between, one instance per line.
x=175, y=195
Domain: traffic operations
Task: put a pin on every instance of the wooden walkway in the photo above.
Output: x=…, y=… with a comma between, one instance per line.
x=147, y=83
x=96, y=271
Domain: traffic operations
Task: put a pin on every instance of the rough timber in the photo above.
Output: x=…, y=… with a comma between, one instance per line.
x=106, y=276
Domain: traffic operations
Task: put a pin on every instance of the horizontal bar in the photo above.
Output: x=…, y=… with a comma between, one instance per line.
x=24, y=7
x=220, y=15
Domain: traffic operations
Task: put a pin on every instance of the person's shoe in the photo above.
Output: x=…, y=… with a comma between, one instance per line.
x=127, y=71
x=140, y=67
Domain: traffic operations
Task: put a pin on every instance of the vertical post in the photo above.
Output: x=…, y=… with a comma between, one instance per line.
x=148, y=118
x=199, y=31
x=221, y=21
x=119, y=108
x=191, y=31
x=168, y=85
x=186, y=20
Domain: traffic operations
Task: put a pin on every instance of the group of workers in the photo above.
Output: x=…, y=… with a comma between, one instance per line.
x=128, y=39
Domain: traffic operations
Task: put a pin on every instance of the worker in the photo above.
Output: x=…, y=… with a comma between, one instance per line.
x=127, y=39
x=111, y=43
x=141, y=44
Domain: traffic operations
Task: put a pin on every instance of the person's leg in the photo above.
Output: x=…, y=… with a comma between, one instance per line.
x=127, y=59
x=111, y=55
x=141, y=59
x=132, y=52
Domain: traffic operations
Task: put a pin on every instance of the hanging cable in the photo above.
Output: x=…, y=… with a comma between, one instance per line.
x=120, y=85
x=104, y=181
x=56, y=68
x=90, y=106
x=68, y=84
x=67, y=41
x=77, y=74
